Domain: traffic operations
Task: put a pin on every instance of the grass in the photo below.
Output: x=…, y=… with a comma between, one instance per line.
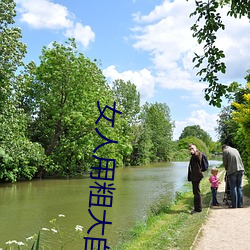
x=170, y=226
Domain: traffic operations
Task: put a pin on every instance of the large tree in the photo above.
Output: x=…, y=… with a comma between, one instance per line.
x=127, y=96
x=19, y=158
x=156, y=121
x=210, y=63
x=12, y=51
x=128, y=101
x=63, y=93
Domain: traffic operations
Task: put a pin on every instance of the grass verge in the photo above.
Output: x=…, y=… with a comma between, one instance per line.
x=170, y=226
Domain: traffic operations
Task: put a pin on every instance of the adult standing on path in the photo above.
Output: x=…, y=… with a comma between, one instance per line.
x=235, y=169
x=195, y=175
x=225, y=228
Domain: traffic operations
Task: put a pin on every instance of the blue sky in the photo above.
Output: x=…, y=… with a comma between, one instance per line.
x=148, y=42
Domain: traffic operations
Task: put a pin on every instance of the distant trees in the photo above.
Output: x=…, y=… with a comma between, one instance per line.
x=48, y=113
x=184, y=142
x=196, y=131
x=194, y=134
x=227, y=127
x=157, y=122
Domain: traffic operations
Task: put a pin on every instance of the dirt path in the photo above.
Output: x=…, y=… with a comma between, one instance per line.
x=225, y=228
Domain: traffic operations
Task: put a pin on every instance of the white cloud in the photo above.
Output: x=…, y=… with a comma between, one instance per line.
x=208, y=122
x=165, y=33
x=234, y=41
x=83, y=34
x=143, y=80
x=44, y=14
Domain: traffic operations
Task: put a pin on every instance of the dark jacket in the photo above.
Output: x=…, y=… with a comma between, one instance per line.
x=194, y=168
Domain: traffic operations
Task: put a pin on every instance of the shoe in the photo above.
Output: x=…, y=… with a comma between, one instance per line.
x=217, y=204
x=194, y=212
x=231, y=207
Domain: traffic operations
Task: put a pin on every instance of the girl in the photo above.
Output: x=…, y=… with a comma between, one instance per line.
x=214, y=185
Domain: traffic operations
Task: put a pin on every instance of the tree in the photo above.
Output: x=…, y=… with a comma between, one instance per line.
x=19, y=157
x=12, y=50
x=128, y=98
x=157, y=122
x=184, y=142
x=196, y=131
x=208, y=23
x=229, y=130
x=63, y=94
x=242, y=117
x=227, y=127
x=128, y=101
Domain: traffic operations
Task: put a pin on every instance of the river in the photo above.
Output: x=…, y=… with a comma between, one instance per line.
x=27, y=207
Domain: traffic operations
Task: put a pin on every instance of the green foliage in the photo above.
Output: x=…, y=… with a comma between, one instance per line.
x=20, y=158
x=205, y=28
x=62, y=96
x=201, y=146
x=12, y=50
x=142, y=145
x=36, y=243
x=227, y=127
x=241, y=116
x=196, y=131
x=215, y=148
x=128, y=100
x=157, y=122
x=238, y=8
x=48, y=113
x=233, y=123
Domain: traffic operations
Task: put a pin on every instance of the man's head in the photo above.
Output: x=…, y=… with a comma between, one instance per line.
x=192, y=148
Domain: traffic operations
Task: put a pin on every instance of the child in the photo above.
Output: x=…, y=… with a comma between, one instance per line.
x=214, y=185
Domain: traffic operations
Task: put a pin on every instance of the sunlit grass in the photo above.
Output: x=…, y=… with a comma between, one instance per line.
x=170, y=226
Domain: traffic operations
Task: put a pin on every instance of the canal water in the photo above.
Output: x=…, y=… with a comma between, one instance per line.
x=27, y=207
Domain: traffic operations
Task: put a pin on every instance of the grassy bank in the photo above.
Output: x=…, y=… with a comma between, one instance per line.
x=170, y=227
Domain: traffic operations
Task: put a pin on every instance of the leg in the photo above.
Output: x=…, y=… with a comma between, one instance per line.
x=214, y=196
x=239, y=188
x=197, y=196
x=233, y=189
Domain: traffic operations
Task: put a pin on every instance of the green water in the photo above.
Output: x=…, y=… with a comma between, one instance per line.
x=27, y=207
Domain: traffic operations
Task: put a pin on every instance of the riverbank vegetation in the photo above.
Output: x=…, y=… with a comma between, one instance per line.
x=48, y=114
x=170, y=226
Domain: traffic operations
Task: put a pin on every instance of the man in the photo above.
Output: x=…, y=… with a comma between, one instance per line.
x=195, y=175
x=235, y=169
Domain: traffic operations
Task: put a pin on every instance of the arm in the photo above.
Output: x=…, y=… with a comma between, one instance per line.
x=213, y=179
x=224, y=159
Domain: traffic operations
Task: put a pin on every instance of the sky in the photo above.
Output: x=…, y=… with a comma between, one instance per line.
x=147, y=42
